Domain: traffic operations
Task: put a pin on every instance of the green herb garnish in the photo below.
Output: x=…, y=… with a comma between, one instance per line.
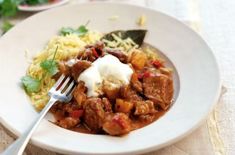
x=31, y=84
x=6, y=26
x=82, y=30
x=135, y=35
x=8, y=8
x=50, y=66
x=34, y=2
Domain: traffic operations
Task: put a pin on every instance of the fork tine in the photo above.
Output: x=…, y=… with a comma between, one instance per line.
x=64, y=84
x=59, y=81
x=69, y=88
x=71, y=92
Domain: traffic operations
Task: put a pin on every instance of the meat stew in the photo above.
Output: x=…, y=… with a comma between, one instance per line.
x=118, y=110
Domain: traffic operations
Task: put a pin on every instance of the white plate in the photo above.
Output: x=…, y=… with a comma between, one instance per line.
x=194, y=61
x=41, y=7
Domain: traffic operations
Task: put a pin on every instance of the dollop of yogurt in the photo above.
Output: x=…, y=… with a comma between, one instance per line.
x=106, y=69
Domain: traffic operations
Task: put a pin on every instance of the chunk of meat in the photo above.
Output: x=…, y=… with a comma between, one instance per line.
x=136, y=84
x=76, y=113
x=58, y=112
x=63, y=68
x=159, y=89
x=68, y=122
x=94, y=113
x=119, y=54
x=146, y=118
x=123, y=106
x=107, y=105
x=79, y=93
x=138, y=59
x=86, y=55
x=129, y=94
x=64, y=108
x=117, y=124
x=144, y=107
x=68, y=108
x=92, y=52
x=98, y=47
x=79, y=67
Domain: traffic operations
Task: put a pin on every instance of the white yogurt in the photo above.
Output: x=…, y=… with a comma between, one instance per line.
x=105, y=69
x=71, y=62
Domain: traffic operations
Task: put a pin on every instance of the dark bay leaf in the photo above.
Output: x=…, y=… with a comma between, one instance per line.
x=136, y=35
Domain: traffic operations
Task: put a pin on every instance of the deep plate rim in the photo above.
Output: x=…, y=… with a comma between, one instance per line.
x=147, y=149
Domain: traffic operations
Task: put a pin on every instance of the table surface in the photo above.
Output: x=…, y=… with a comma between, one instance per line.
x=214, y=20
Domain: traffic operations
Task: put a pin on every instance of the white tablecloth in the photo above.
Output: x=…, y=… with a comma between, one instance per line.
x=215, y=21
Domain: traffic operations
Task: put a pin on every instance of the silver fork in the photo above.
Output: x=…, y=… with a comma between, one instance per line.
x=61, y=91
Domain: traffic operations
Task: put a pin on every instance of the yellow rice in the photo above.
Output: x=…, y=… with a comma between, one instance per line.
x=68, y=47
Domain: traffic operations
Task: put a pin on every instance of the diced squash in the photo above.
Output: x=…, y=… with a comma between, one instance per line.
x=123, y=106
x=138, y=59
x=111, y=92
x=136, y=84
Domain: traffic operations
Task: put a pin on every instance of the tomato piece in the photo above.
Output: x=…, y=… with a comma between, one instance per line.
x=76, y=113
x=140, y=75
x=146, y=74
x=119, y=121
x=94, y=52
x=157, y=63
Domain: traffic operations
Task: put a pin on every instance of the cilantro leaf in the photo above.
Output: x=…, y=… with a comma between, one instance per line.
x=68, y=30
x=8, y=8
x=6, y=26
x=82, y=30
x=34, y=2
x=43, y=1
x=31, y=84
x=50, y=66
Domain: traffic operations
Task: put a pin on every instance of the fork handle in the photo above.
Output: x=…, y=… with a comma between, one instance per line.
x=17, y=148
